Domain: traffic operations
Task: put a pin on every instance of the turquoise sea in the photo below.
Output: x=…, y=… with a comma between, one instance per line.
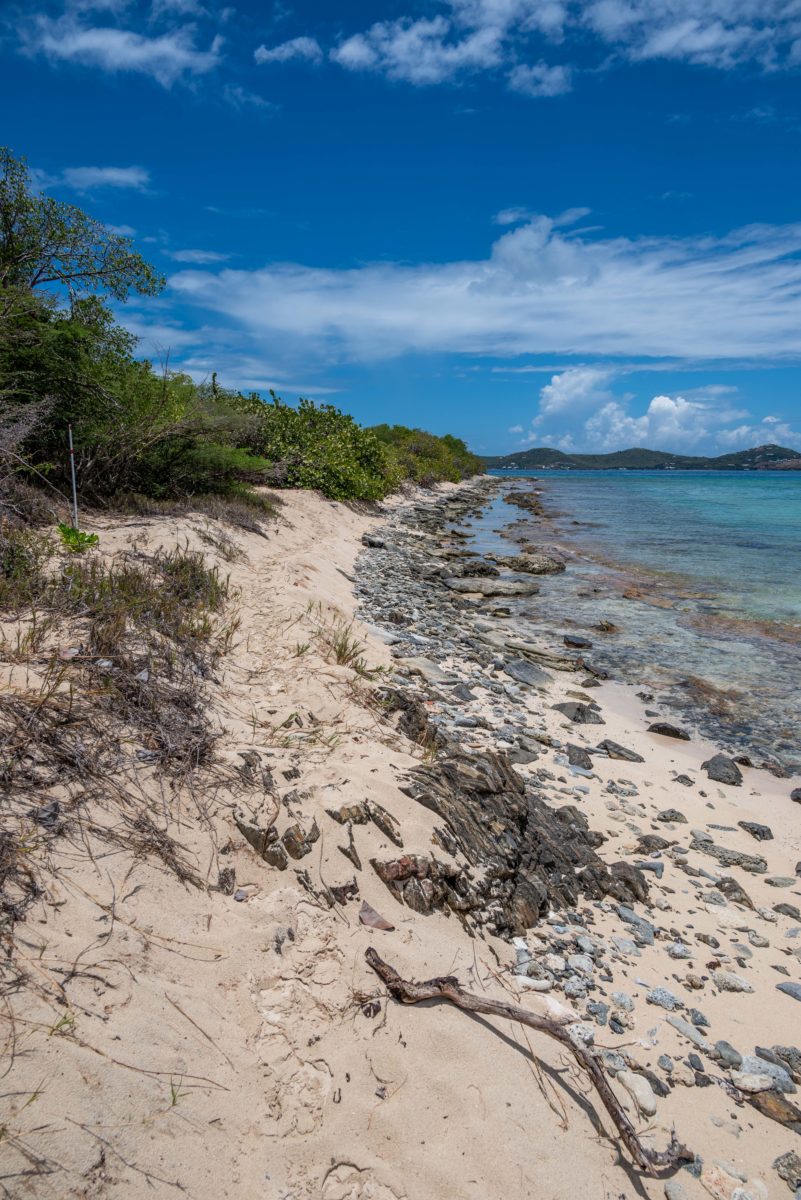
x=699, y=572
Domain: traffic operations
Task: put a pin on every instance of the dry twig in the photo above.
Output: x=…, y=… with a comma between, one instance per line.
x=447, y=988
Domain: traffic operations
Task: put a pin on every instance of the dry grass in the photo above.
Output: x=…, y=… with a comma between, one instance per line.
x=118, y=654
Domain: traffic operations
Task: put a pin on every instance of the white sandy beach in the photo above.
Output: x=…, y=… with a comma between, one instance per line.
x=174, y=1039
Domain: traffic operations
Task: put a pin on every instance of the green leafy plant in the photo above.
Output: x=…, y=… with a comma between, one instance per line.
x=76, y=540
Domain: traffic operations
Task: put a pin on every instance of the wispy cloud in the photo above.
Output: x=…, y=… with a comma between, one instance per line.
x=166, y=57
x=305, y=49
x=540, y=290
x=197, y=257
x=242, y=98
x=93, y=179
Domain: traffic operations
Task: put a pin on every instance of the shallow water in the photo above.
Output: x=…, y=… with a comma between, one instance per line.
x=700, y=572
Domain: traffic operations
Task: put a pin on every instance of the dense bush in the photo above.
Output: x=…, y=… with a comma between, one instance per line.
x=425, y=458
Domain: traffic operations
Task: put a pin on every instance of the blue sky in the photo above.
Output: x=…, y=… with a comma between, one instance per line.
x=563, y=222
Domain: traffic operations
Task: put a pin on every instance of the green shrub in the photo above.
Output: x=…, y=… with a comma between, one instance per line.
x=425, y=458
x=75, y=540
x=317, y=446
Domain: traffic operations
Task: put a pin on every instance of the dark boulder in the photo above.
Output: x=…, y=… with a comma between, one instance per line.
x=580, y=714
x=577, y=756
x=668, y=730
x=723, y=769
x=762, y=833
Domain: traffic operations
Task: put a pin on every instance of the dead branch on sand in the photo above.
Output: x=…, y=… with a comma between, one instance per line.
x=447, y=988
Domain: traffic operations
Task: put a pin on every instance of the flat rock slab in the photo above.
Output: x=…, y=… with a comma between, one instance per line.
x=493, y=587
x=615, y=750
x=526, y=672
x=429, y=670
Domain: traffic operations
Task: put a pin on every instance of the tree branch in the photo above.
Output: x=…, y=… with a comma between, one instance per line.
x=447, y=988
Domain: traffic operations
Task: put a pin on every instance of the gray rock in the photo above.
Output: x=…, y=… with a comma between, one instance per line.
x=727, y=1056
x=754, y=1065
x=613, y=1062
x=577, y=756
x=779, y=881
x=643, y=930
x=728, y=981
x=790, y=989
x=581, y=963
x=723, y=769
x=580, y=714
x=698, y=1019
x=748, y=1082
x=692, y=1035
x=576, y=987
x=493, y=587
x=671, y=816
x=623, y=1001
x=625, y=946
x=762, y=833
x=674, y=1190
x=679, y=950
x=664, y=999
x=788, y=1168
x=729, y=858
x=795, y=794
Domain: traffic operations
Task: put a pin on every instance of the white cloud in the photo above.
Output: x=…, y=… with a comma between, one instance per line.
x=88, y=179
x=419, y=52
x=540, y=80
x=436, y=46
x=304, y=48
x=91, y=179
x=539, y=291
x=574, y=389
x=167, y=57
x=669, y=423
x=512, y=216
x=515, y=429
x=769, y=430
x=198, y=257
x=241, y=98
x=121, y=230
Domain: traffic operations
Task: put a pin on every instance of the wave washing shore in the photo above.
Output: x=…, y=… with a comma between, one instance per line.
x=687, y=583
x=484, y=807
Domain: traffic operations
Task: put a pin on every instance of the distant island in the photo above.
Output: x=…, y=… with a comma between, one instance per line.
x=759, y=458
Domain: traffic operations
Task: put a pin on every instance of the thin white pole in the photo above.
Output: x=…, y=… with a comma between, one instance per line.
x=74, y=488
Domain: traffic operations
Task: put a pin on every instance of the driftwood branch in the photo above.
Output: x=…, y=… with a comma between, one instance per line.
x=447, y=988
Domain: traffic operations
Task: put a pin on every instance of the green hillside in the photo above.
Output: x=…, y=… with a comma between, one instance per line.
x=639, y=459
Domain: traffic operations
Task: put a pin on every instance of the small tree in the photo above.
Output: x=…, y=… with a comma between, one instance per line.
x=45, y=241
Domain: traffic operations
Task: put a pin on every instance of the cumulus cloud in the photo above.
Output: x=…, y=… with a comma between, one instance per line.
x=540, y=290
x=304, y=48
x=166, y=57
x=420, y=52
x=574, y=390
x=487, y=35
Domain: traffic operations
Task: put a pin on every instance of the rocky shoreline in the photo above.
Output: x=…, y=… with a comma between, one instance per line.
x=546, y=844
